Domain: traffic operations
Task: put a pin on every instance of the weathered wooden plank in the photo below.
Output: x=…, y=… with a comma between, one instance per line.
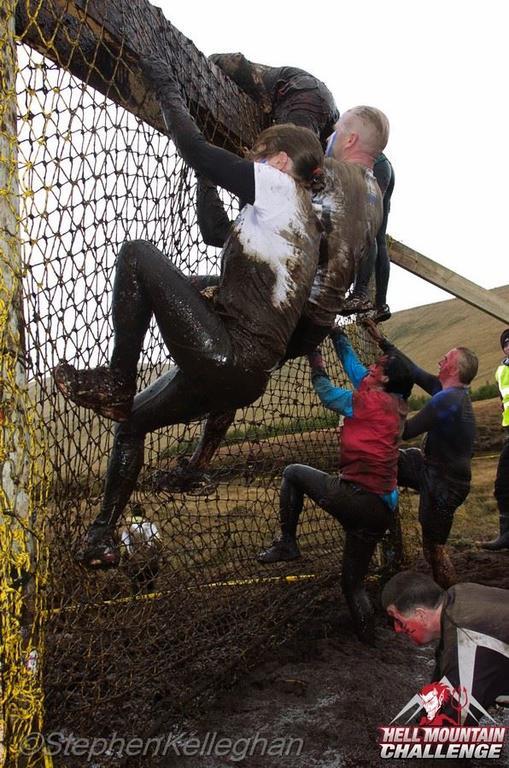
x=101, y=43
x=142, y=27
x=449, y=281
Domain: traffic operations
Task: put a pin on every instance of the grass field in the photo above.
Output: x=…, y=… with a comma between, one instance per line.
x=426, y=333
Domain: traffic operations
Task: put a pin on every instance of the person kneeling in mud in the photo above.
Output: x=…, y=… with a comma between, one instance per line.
x=225, y=349
x=363, y=496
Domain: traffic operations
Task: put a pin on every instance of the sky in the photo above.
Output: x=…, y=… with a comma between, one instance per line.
x=438, y=69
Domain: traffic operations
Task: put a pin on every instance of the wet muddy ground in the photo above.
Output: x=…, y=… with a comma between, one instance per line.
x=331, y=692
x=319, y=696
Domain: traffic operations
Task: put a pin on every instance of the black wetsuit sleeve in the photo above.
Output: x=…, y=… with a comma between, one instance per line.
x=223, y=168
x=427, y=381
x=212, y=218
x=420, y=423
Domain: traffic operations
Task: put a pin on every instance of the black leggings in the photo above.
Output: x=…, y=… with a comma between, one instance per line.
x=207, y=377
x=355, y=508
x=363, y=515
x=146, y=284
x=304, y=340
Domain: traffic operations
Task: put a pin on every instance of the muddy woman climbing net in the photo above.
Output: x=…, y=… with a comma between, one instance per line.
x=95, y=169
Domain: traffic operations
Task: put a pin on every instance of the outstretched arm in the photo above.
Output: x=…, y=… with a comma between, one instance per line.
x=212, y=218
x=420, y=423
x=352, y=366
x=221, y=167
x=427, y=381
x=335, y=398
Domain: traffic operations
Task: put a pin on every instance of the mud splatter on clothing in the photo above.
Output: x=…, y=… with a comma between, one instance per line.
x=269, y=262
x=350, y=209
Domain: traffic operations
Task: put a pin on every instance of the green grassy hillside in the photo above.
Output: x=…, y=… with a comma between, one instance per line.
x=426, y=333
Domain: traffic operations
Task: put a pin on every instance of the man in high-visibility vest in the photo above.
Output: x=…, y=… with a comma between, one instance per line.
x=502, y=479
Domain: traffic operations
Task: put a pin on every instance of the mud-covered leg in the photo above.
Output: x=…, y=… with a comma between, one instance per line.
x=147, y=284
x=190, y=474
x=437, y=557
x=359, y=548
x=392, y=549
x=192, y=331
x=384, y=174
x=169, y=400
x=298, y=480
x=214, y=430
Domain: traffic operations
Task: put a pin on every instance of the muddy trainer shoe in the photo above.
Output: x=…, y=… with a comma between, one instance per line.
x=383, y=313
x=355, y=305
x=283, y=548
x=102, y=389
x=99, y=550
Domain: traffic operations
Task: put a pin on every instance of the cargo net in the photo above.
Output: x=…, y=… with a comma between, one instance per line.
x=126, y=649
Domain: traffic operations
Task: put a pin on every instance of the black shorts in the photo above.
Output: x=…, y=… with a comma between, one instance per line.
x=306, y=102
x=440, y=496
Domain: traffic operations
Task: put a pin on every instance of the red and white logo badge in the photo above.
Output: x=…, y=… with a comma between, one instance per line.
x=441, y=734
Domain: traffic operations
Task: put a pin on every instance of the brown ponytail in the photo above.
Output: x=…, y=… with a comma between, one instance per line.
x=302, y=147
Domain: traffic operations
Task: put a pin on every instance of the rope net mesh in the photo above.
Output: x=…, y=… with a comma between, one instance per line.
x=93, y=175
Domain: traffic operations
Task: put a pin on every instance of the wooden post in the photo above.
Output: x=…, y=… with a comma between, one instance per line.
x=447, y=280
x=20, y=697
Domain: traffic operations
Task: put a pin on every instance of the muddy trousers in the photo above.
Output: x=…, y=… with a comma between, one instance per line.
x=439, y=498
x=205, y=379
x=304, y=340
x=363, y=515
x=377, y=258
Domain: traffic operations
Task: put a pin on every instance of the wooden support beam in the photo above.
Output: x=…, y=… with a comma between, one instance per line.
x=447, y=280
x=102, y=43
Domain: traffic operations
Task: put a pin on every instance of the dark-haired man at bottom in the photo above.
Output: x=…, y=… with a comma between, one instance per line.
x=472, y=623
x=364, y=495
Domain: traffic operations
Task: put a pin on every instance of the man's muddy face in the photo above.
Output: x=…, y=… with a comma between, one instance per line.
x=448, y=364
x=412, y=625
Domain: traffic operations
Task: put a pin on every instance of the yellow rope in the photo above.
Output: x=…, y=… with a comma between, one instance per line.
x=23, y=482
x=292, y=579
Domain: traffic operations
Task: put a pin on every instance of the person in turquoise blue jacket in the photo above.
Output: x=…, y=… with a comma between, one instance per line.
x=363, y=496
